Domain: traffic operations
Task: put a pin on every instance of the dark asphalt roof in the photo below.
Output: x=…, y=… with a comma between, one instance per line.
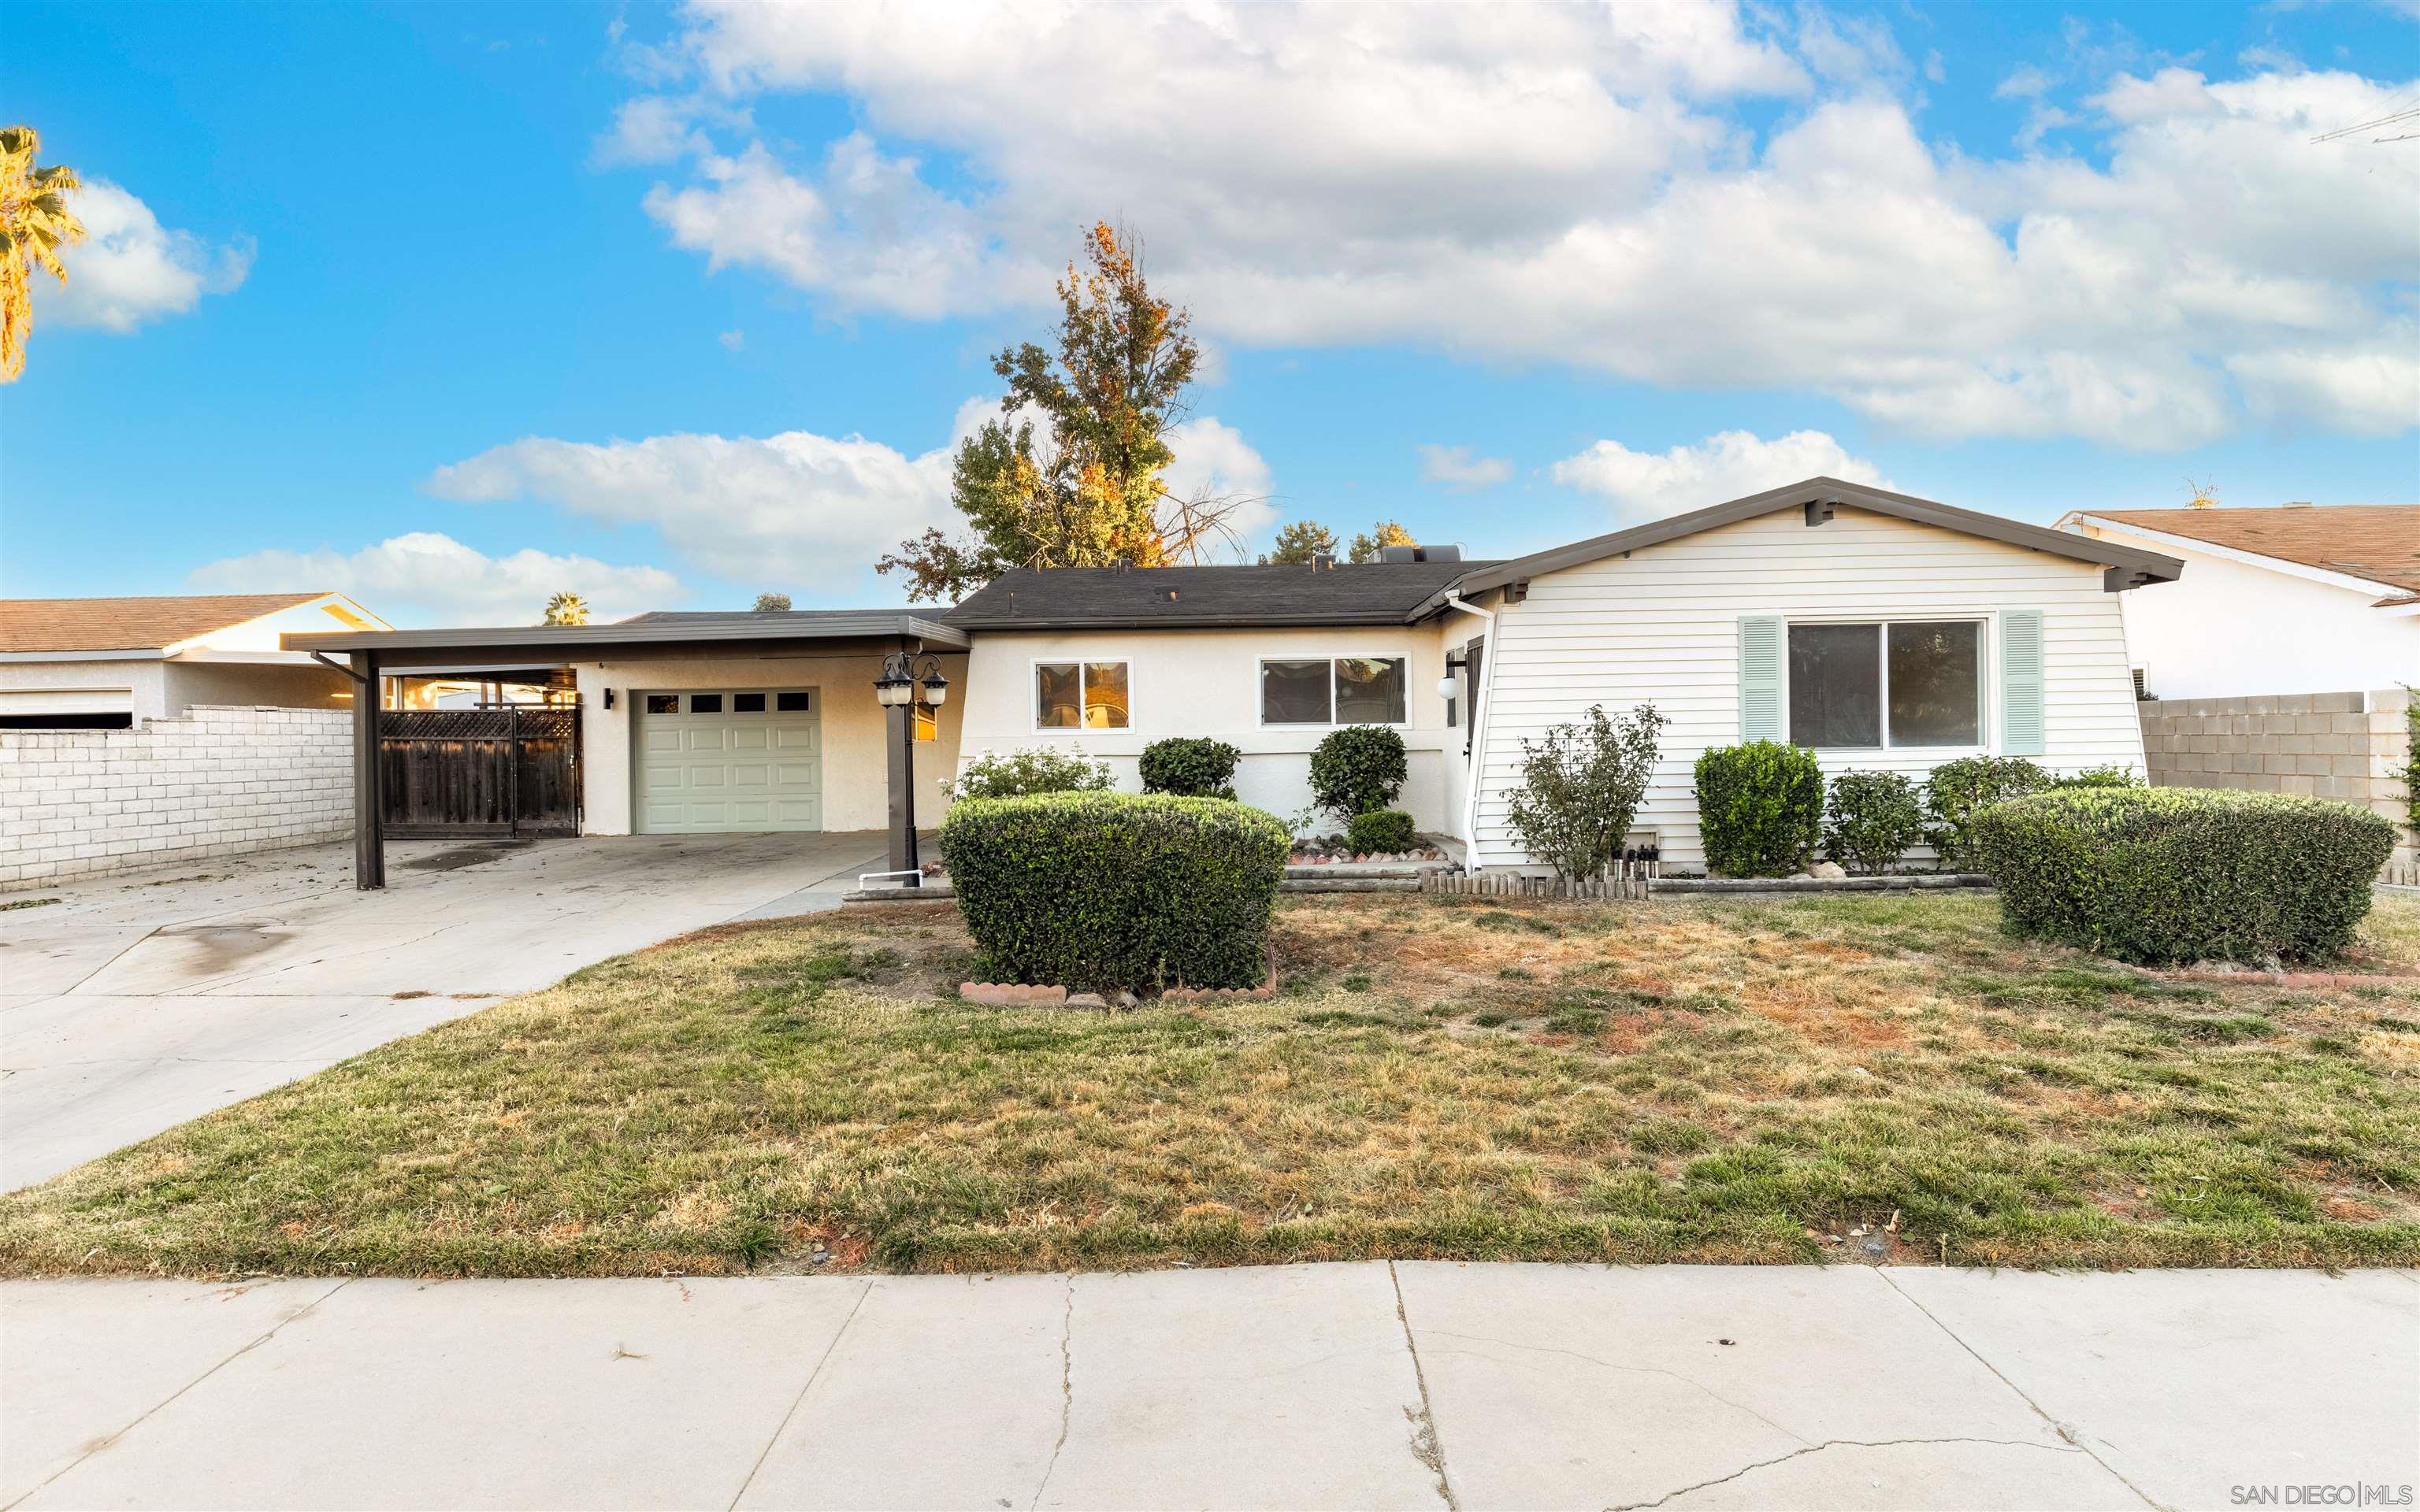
x=1370, y=592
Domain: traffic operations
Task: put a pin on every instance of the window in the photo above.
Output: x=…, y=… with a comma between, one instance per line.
x=1079, y=695
x=791, y=702
x=706, y=703
x=746, y=703
x=1335, y=691
x=1867, y=686
x=663, y=703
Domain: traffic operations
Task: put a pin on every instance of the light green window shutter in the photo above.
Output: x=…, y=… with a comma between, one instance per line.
x=2021, y=682
x=1759, y=677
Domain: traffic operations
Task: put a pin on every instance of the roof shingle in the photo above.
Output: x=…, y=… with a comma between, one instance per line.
x=130, y=623
x=2379, y=542
x=1369, y=593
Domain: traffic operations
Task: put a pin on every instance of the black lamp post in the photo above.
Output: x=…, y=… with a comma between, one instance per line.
x=902, y=688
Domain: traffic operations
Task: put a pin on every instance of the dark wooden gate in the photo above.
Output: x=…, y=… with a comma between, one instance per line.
x=498, y=770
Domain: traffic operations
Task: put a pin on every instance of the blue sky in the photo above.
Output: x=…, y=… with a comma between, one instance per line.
x=448, y=305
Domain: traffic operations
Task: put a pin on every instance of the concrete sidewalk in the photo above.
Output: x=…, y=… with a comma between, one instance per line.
x=1414, y=1385
x=142, y=999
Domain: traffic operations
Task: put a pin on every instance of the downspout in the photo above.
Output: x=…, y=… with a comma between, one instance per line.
x=1486, y=702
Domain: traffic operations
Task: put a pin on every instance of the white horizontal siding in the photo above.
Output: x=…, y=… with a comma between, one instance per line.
x=1662, y=627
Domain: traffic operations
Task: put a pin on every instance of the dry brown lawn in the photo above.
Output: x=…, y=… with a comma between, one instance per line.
x=1865, y=1076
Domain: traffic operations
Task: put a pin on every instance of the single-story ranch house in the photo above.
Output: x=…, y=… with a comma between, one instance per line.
x=1881, y=630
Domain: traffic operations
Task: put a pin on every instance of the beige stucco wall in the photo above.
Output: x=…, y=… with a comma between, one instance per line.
x=164, y=689
x=1207, y=683
x=285, y=687
x=857, y=779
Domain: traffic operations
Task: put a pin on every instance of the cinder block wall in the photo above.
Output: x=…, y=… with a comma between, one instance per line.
x=218, y=780
x=2349, y=747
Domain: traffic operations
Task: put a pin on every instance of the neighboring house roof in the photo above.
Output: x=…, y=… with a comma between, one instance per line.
x=1093, y=598
x=2127, y=566
x=560, y=644
x=2376, y=543
x=131, y=623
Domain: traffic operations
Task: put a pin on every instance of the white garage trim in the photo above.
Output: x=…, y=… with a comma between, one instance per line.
x=726, y=759
x=66, y=700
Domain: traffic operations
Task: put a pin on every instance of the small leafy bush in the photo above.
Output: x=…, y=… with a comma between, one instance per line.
x=1190, y=767
x=1959, y=790
x=1117, y=890
x=1581, y=787
x=1760, y=807
x=2164, y=875
x=1034, y=769
x=1381, y=832
x=1357, y=768
x=1870, y=820
x=2099, y=777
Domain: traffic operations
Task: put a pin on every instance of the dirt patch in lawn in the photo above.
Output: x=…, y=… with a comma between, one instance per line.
x=1703, y=1079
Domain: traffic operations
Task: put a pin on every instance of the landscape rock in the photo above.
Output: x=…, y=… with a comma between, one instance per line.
x=1828, y=870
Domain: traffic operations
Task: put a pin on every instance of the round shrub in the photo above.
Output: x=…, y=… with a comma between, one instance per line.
x=1106, y=891
x=1357, y=768
x=1190, y=767
x=1760, y=807
x=1870, y=820
x=2165, y=875
x=1381, y=832
x=1959, y=790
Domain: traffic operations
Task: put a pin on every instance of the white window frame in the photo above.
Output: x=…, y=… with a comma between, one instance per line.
x=1259, y=704
x=1034, y=694
x=1984, y=652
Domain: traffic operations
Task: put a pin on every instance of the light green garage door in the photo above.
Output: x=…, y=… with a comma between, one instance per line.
x=729, y=758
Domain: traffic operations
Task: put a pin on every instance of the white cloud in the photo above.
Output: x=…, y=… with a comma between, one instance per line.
x=1729, y=465
x=428, y=579
x=1456, y=468
x=132, y=269
x=811, y=511
x=2025, y=82
x=732, y=340
x=2373, y=391
x=798, y=508
x=1572, y=185
x=866, y=231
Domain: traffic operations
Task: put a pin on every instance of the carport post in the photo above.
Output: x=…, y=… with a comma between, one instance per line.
x=903, y=787
x=370, y=826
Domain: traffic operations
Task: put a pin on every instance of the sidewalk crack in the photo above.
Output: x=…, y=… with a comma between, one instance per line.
x=1428, y=1447
x=800, y=1400
x=1066, y=1391
x=108, y=1441
x=2056, y=1425
x=1836, y=1443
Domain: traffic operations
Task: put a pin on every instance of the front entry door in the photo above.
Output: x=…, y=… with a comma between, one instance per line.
x=716, y=760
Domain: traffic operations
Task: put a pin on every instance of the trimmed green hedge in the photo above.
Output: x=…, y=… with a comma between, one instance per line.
x=1760, y=807
x=2167, y=876
x=1117, y=890
x=1381, y=831
x=1958, y=791
x=1870, y=820
x=1190, y=766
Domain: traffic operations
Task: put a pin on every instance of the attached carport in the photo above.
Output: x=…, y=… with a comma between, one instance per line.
x=786, y=684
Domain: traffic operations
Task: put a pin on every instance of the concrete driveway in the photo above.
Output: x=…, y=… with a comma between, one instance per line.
x=1417, y=1385
x=143, y=1000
